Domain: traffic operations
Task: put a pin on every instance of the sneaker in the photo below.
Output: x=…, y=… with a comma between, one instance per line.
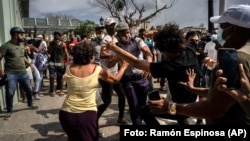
x=7, y=116
x=52, y=94
x=122, y=121
x=36, y=97
x=33, y=106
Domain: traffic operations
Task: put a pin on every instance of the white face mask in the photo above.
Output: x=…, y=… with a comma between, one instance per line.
x=100, y=36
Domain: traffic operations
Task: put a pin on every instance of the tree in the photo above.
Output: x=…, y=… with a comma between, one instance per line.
x=129, y=11
x=86, y=28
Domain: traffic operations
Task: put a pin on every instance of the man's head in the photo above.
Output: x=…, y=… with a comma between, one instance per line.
x=234, y=28
x=170, y=40
x=109, y=24
x=17, y=33
x=123, y=32
x=57, y=35
x=99, y=31
x=142, y=33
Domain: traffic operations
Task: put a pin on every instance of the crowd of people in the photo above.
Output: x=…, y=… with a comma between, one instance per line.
x=119, y=63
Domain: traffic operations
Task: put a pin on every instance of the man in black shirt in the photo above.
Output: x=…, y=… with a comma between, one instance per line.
x=171, y=43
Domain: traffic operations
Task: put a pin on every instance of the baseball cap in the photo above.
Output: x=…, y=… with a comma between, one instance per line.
x=16, y=30
x=109, y=21
x=40, y=36
x=122, y=26
x=97, y=27
x=237, y=15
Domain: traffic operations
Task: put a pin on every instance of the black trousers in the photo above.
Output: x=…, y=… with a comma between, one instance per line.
x=107, y=91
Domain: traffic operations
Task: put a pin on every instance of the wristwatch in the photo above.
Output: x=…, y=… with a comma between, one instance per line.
x=172, y=108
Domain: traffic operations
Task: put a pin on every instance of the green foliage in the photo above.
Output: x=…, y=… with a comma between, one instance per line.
x=85, y=28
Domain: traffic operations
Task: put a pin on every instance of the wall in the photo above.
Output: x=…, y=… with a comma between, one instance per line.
x=10, y=14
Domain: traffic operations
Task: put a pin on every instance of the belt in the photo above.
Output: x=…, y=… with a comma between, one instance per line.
x=133, y=77
x=56, y=64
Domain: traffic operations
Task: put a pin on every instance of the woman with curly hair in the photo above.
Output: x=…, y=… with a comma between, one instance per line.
x=171, y=43
x=78, y=115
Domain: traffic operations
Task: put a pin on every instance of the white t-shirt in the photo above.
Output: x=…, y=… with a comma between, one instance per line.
x=43, y=45
x=211, y=52
x=104, y=62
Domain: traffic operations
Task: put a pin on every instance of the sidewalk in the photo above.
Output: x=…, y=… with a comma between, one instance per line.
x=43, y=124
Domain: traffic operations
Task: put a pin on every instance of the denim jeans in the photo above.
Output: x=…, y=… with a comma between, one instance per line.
x=38, y=79
x=24, y=81
x=56, y=72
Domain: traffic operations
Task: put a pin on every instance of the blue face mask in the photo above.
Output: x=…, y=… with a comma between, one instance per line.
x=220, y=40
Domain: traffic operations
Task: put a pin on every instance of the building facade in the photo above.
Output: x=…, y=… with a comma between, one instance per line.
x=11, y=14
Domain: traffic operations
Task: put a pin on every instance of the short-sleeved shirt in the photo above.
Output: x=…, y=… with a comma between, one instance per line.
x=175, y=70
x=235, y=115
x=104, y=62
x=134, y=47
x=14, y=57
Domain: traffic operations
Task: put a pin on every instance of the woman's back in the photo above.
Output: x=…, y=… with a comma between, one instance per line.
x=82, y=84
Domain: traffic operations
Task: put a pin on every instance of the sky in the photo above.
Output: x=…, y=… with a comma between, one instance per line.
x=184, y=12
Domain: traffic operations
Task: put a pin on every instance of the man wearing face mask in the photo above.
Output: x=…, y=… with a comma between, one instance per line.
x=99, y=31
x=134, y=81
x=219, y=108
x=110, y=62
x=14, y=67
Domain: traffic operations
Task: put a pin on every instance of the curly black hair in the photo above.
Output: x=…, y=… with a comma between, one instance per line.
x=170, y=39
x=83, y=53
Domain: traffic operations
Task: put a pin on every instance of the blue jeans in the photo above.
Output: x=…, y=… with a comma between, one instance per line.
x=38, y=78
x=56, y=72
x=10, y=87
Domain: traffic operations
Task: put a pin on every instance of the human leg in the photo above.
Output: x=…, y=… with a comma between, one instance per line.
x=10, y=88
x=136, y=93
x=121, y=102
x=106, y=95
x=38, y=80
x=59, y=80
x=25, y=84
x=51, y=81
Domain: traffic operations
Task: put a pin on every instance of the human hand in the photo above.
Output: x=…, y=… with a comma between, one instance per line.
x=110, y=44
x=158, y=106
x=211, y=63
x=32, y=68
x=190, y=82
x=145, y=74
x=124, y=64
x=239, y=95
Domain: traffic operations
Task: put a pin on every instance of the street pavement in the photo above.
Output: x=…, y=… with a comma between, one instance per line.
x=43, y=124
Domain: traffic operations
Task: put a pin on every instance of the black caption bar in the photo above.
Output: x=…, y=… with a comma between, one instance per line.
x=192, y=132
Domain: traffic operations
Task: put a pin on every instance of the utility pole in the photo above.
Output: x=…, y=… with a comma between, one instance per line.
x=222, y=5
x=210, y=14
